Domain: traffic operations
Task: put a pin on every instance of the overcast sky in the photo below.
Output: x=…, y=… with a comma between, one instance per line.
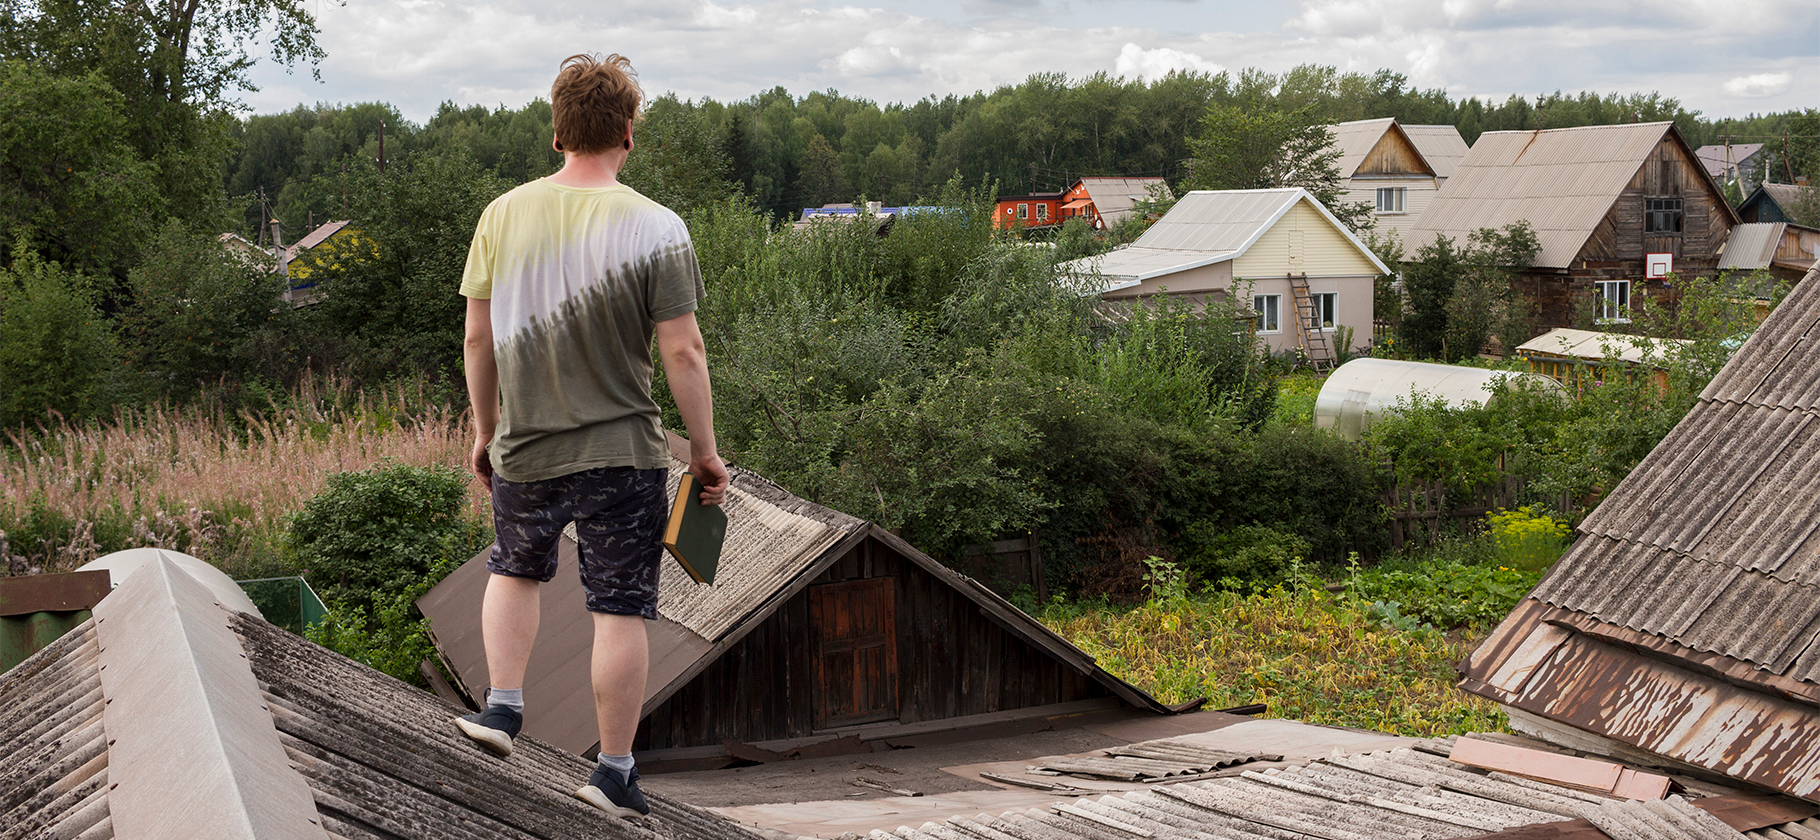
x=1721, y=57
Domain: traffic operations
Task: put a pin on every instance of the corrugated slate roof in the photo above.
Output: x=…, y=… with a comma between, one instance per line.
x=1562, y=181
x=1734, y=567
x=169, y=716
x=1751, y=246
x=1708, y=555
x=1440, y=145
x=1356, y=139
x=1587, y=344
x=1391, y=793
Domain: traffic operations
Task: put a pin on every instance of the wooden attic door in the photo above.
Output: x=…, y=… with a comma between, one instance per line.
x=853, y=626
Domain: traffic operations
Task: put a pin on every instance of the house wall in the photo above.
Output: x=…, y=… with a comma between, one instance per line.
x=952, y=660
x=1615, y=250
x=1421, y=191
x=1005, y=215
x=1207, y=278
x=1353, y=308
x=1302, y=241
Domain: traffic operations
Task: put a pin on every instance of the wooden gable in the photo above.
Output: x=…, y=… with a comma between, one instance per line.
x=874, y=639
x=1394, y=155
x=1670, y=172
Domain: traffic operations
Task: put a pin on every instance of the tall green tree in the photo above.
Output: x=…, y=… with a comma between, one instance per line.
x=71, y=181
x=1249, y=149
x=57, y=350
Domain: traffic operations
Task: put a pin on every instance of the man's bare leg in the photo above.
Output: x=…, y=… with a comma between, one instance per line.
x=508, y=625
x=622, y=660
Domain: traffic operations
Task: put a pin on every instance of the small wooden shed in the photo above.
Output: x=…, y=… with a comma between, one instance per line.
x=819, y=626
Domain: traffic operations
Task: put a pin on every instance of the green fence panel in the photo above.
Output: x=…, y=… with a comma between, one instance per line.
x=288, y=602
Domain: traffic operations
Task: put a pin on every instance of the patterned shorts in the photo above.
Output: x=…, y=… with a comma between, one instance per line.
x=619, y=515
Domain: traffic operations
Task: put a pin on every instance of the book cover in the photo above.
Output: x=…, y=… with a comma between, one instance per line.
x=695, y=532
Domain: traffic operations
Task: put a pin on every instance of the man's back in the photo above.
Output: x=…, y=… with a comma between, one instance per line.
x=577, y=278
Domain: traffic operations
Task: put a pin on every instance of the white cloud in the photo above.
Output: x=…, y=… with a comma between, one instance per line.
x=1759, y=85
x=1150, y=65
x=417, y=53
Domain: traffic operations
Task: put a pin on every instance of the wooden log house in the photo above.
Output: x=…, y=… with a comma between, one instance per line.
x=1601, y=200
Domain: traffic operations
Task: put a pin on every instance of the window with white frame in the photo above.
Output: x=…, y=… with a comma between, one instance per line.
x=1614, y=301
x=1269, y=312
x=1393, y=199
x=1325, y=314
x=1023, y=211
x=1042, y=212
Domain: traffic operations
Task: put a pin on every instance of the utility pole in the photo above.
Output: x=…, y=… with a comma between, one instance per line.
x=382, y=147
x=344, y=188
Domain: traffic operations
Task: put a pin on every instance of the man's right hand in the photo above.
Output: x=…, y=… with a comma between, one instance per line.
x=711, y=473
x=482, y=463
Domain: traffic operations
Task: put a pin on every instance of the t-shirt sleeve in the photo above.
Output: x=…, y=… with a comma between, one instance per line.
x=477, y=275
x=675, y=286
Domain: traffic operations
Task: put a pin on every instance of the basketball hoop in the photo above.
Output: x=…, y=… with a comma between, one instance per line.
x=1658, y=266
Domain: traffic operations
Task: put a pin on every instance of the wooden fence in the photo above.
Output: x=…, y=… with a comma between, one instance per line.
x=1422, y=511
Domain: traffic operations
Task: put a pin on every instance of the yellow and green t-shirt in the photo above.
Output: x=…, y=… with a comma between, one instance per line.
x=578, y=280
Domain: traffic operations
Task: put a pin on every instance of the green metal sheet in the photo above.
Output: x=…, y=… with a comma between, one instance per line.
x=23, y=635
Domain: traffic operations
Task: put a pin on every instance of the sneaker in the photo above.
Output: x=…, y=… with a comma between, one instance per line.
x=605, y=791
x=493, y=728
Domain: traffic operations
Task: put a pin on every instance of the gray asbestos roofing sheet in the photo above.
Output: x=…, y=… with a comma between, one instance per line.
x=53, y=747
x=1713, y=541
x=1396, y=793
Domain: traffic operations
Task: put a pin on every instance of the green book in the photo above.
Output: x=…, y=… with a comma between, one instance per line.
x=695, y=532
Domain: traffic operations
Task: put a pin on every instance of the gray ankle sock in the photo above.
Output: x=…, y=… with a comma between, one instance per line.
x=622, y=764
x=511, y=698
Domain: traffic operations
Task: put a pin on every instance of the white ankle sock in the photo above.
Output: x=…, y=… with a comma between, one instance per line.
x=622, y=764
x=511, y=698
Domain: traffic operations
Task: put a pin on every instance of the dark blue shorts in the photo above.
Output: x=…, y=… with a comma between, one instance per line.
x=619, y=515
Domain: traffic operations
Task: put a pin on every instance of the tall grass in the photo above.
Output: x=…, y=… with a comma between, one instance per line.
x=197, y=479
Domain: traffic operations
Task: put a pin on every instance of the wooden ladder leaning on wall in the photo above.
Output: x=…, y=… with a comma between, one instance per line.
x=1308, y=325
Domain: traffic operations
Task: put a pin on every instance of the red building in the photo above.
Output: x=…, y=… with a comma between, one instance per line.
x=1102, y=201
x=1034, y=210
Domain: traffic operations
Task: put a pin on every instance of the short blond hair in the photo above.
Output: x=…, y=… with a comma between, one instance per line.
x=591, y=101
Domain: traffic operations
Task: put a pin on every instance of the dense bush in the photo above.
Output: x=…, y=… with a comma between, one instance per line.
x=379, y=531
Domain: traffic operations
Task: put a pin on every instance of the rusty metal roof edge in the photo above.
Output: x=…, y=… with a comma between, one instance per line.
x=1738, y=672
x=182, y=703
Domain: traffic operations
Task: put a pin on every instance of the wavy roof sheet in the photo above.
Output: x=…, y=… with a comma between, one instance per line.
x=1356, y=139
x=1440, y=145
x=1562, y=181
x=1751, y=246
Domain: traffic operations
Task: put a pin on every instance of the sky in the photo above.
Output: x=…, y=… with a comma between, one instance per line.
x=1720, y=57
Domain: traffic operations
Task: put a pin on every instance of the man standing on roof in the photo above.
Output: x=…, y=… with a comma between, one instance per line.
x=567, y=280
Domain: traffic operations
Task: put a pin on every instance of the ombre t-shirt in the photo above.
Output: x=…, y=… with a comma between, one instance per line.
x=578, y=279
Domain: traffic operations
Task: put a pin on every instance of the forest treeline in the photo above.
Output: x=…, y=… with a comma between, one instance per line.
x=788, y=152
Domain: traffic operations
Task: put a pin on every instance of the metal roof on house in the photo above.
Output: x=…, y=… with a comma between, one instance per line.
x=1706, y=557
x=168, y=716
x=1561, y=181
x=1205, y=227
x=1440, y=145
x=1752, y=246
x=1113, y=198
x=1403, y=792
x=1713, y=157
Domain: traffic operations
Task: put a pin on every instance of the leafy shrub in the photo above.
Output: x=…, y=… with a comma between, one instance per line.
x=1527, y=538
x=377, y=532
x=393, y=638
x=1457, y=583
x=1247, y=556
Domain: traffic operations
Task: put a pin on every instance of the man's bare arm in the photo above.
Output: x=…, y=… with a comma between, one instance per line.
x=685, y=361
x=482, y=371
